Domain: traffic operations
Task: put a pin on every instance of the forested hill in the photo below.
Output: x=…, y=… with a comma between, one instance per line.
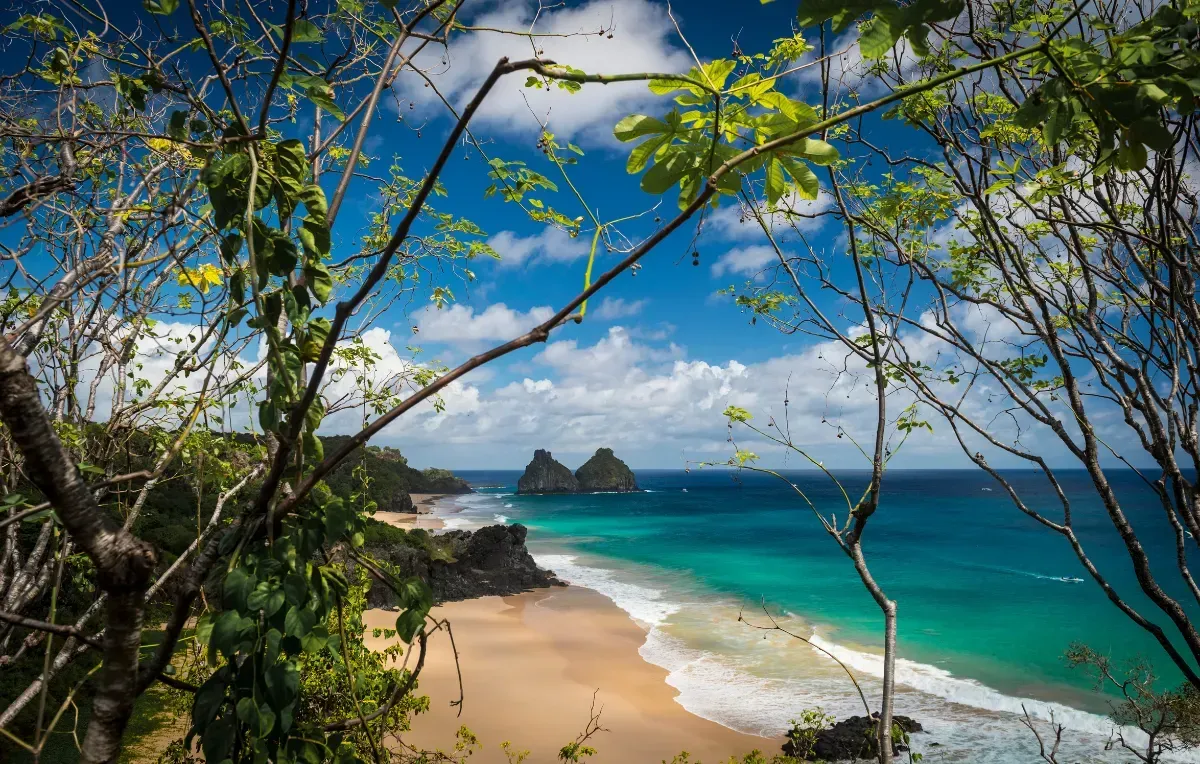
x=168, y=518
x=391, y=479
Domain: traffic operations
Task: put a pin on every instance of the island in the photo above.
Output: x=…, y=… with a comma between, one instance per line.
x=545, y=475
x=603, y=473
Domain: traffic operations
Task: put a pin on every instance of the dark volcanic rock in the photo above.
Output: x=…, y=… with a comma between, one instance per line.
x=605, y=472
x=544, y=475
x=460, y=565
x=400, y=502
x=851, y=739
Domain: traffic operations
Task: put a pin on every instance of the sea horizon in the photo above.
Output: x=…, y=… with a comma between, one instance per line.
x=683, y=565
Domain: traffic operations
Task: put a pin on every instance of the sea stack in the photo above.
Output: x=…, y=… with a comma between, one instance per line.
x=604, y=472
x=544, y=475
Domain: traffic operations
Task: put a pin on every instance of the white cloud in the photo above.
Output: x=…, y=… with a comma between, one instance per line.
x=652, y=404
x=613, y=309
x=848, y=70
x=551, y=245
x=461, y=325
x=747, y=261
x=643, y=41
x=734, y=222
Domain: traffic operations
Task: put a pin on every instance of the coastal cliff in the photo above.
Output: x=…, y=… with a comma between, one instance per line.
x=392, y=480
x=604, y=472
x=545, y=475
x=457, y=564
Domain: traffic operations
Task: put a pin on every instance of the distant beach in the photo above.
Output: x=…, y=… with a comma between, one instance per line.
x=428, y=505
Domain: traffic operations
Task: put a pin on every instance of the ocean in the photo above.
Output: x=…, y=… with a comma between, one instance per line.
x=986, y=607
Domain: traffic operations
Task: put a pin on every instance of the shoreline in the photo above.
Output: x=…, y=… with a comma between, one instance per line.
x=531, y=665
x=426, y=517
x=961, y=715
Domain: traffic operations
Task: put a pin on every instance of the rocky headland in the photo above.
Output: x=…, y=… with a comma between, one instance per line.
x=603, y=473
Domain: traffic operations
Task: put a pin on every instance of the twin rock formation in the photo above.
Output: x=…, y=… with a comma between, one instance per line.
x=603, y=473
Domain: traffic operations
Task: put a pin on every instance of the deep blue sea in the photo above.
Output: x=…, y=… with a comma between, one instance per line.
x=985, y=610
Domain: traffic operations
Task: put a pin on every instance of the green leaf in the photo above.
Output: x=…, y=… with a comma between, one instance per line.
x=160, y=7
x=320, y=281
x=776, y=183
x=1152, y=133
x=295, y=586
x=877, y=36
x=806, y=179
x=664, y=174
x=641, y=153
x=409, y=623
x=266, y=720
x=217, y=740
x=208, y=702
x=316, y=332
x=177, y=125
x=238, y=585
x=322, y=96
x=814, y=150
x=225, y=633
x=314, y=235
x=842, y=12
x=304, y=30
x=314, y=201
x=293, y=161
x=637, y=125
x=716, y=72
x=737, y=414
x=299, y=621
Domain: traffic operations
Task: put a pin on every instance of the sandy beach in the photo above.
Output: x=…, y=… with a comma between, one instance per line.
x=530, y=666
x=422, y=518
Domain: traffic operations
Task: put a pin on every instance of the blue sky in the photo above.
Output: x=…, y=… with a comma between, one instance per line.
x=660, y=355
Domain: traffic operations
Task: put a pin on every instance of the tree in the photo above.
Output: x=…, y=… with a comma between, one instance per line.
x=1025, y=269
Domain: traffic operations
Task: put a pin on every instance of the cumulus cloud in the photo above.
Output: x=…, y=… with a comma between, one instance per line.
x=613, y=309
x=643, y=40
x=651, y=403
x=745, y=260
x=551, y=245
x=647, y=399
x=461, y=325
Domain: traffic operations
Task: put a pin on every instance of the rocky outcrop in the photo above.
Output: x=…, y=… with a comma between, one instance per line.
x=460, y=565
x=400, y=502
x=544, y=475
x=851, y=739
x=435, y=480
x=605, y=472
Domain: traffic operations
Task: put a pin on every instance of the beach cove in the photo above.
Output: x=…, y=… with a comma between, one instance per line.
x=664, y=558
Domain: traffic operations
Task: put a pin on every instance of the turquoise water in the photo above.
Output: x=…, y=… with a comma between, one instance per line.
x=984, y=613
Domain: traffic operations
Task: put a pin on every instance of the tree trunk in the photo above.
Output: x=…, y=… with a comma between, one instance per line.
x=123, y=562
x=888, y=607
x=889, y=683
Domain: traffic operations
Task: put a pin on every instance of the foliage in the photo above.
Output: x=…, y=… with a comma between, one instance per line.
x=803, y=734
